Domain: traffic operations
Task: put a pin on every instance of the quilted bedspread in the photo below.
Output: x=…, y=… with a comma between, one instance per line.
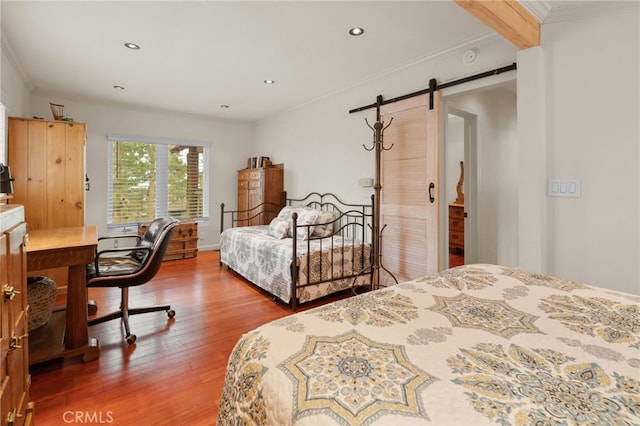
x=266, y=262
x=477, y=344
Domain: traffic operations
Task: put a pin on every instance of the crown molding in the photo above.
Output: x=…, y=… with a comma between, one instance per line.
x=538, y=8
x=10, y=54
x=550, y=11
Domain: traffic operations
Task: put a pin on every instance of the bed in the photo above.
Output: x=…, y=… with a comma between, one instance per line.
x=331, y=250
x=476, y=344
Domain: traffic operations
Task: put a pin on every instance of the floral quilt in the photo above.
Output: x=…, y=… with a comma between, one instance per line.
x=266, y=262
x=477, y=344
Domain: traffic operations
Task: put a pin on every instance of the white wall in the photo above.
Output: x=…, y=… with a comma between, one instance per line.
x=320, y=143
x=593, y=110
x=231, y=143
x=497, y=173
x=15, y=93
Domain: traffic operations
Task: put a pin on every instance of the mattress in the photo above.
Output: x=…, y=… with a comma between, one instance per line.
x=266, y=262
x=477, y=344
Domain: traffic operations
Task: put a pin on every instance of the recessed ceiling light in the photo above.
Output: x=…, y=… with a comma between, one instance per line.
x=356, y=31
x=224, y=106
x=269, y=81
x=132, y=46
x=118, y=87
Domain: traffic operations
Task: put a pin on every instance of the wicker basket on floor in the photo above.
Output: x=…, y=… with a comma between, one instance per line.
x=41, y=296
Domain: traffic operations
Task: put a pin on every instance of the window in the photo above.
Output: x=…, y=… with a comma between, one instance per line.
x=149, y=178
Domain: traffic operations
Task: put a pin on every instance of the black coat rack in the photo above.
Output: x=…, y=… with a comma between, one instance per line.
x=379, y=147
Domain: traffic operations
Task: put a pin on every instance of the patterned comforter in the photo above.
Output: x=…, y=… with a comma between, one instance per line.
x=266, y=262
x=477, y=344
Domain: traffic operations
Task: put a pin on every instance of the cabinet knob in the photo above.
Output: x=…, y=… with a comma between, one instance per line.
x=11, y=417
x=9, y=292
x=16, y=340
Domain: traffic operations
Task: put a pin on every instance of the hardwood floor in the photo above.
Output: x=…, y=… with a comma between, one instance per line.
x=174, y=372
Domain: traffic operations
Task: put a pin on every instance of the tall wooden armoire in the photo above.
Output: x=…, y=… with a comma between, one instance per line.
x=47, y=163
x=258, y=186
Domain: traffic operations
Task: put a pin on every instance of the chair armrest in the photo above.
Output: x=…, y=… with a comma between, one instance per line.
x=121, y=250
x=127, y=250
x=119, y=236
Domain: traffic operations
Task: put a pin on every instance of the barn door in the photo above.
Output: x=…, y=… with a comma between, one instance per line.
x=409, y=200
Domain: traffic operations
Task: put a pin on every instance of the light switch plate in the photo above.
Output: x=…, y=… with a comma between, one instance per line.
x=564, y=188
x=366, y=182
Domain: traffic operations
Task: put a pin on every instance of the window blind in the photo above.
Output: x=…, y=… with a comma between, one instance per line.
x=151, y=177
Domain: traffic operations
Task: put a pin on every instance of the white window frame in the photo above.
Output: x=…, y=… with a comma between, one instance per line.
x=161, y=201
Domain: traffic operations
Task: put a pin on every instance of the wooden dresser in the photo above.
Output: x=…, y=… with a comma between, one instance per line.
x=15, y=408
x=258, y=186
x=456, y=227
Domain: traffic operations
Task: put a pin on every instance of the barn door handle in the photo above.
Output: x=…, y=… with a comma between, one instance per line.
x=431, y=186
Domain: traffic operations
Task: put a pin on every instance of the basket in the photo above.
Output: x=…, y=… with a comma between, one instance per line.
x=56, y=110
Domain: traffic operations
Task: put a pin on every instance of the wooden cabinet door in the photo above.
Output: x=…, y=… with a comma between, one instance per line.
x=255, y=199
x=75, y=139
x=15, y=345
x=243, y=197
x=65, y=174
x=408, y=206
x=27, y=154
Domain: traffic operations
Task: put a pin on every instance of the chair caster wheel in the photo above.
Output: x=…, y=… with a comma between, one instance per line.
x=131, y=338
x=171, y=313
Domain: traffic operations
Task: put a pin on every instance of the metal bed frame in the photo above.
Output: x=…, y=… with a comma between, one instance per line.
x=353, y=221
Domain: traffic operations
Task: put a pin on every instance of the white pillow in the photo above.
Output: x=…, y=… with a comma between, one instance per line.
x=305, y=217
x=286, y=213
x=279, y=228
x=324, y=227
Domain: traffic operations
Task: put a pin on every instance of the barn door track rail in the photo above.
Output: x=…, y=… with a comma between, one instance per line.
x=434, y=86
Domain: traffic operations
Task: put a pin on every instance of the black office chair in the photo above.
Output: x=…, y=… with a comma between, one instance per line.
x=126, y=267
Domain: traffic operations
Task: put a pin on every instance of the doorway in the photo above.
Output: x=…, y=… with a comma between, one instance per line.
x=459, y=189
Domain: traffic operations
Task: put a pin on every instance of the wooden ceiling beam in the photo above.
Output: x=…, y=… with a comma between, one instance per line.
x=508, y=18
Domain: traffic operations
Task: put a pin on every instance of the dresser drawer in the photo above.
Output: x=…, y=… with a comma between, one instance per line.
x=456, y=212
x=244, y=174
x=243, y=184
x=254, y=184
x=456, y=224
x=456, y=239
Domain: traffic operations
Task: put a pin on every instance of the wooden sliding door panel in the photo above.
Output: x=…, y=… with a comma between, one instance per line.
x=398, y=178
x=405, y=247
x=409, y=208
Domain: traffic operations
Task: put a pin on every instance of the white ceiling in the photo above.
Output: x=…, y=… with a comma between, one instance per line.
x=198, y=55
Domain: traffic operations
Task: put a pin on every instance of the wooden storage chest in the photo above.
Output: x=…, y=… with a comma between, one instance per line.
x=183, y=243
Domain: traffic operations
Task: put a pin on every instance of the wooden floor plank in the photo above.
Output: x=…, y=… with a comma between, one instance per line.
x=174, y=372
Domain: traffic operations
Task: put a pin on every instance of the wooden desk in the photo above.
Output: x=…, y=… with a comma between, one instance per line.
x=67, y=333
